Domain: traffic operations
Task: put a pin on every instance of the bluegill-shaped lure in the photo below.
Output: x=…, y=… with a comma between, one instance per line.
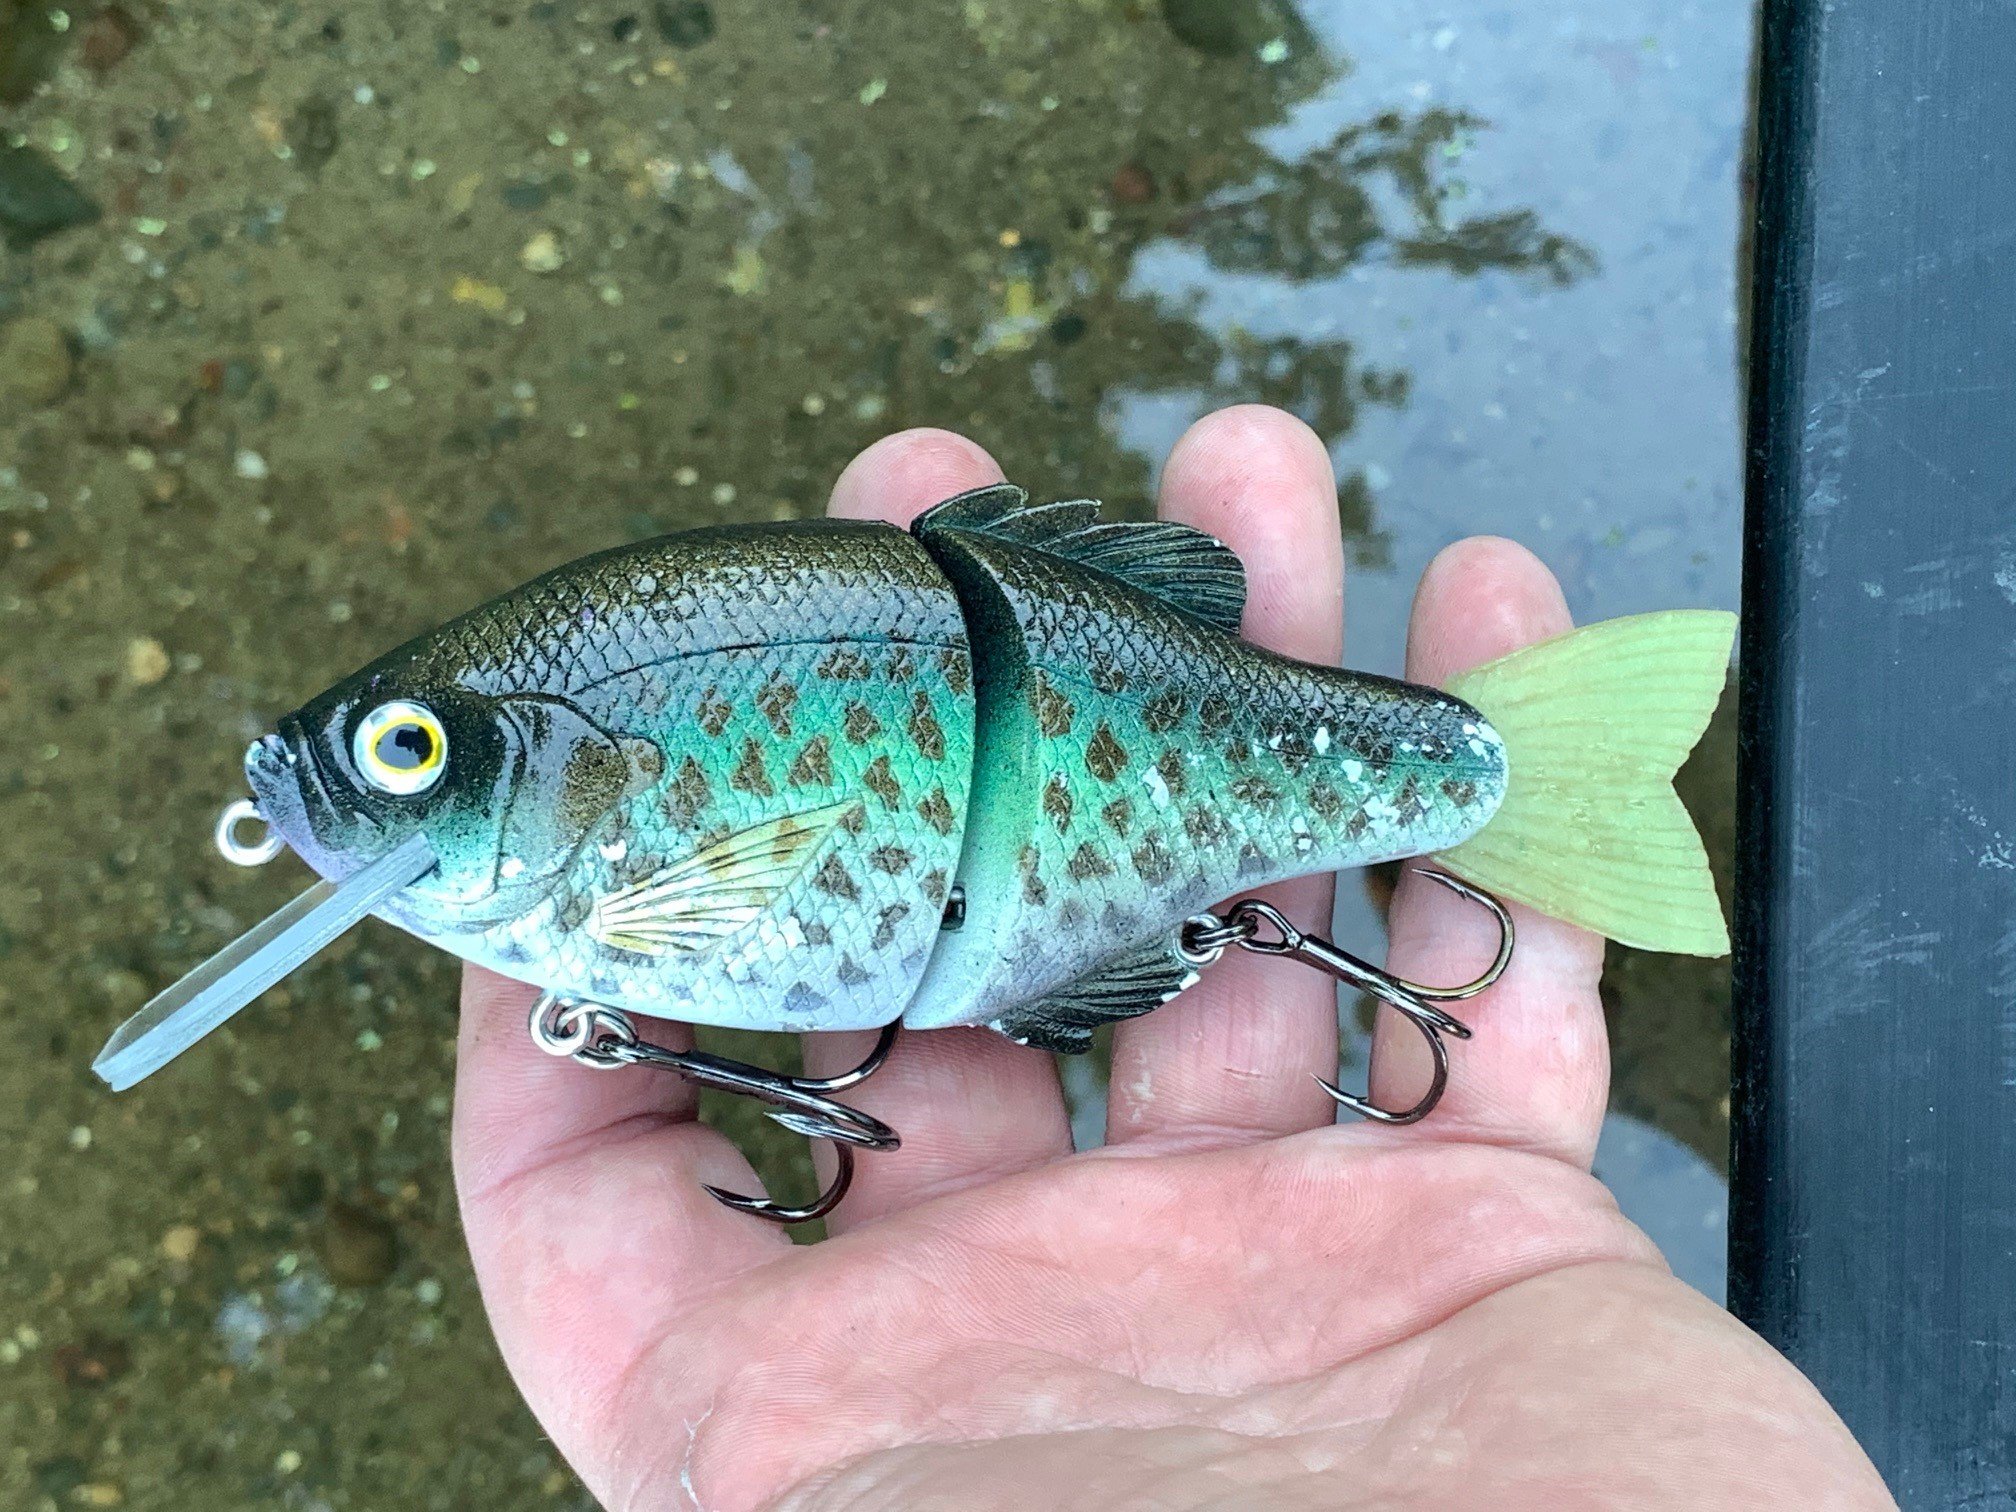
x=834, y=775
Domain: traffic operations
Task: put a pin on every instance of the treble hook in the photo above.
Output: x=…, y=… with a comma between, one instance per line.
x=1206, y=937
x=606, y=1039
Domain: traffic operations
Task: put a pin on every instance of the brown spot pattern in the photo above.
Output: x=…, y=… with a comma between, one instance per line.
x=1119, y=816
x=936, y=811
x=1163, y=712
x=1291, y=748
x=1057, y=804
x=934, y=884
x=957, y=670
x=814, y=766
x=646, y=759
x=1105, y=757
x=925, y=730
x=1174, y=777
x=835, y=880
x=1460, y=792
x=1214, y=713
x=1205, y=826
x=689, y=796
x=1255, y=790
x=844, y=664
x=1325, y=802
x=749, y=775
x=777, y=698
x=881, y=781
x=886, y=922
x=859, y=724
x=892, y=859
x=1088, y=861
x=1108, y=676
x=1054, y=712
x=1152, y=858
x=902, y=663
x=714, y=712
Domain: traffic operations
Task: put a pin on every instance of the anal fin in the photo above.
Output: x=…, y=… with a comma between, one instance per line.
x=1122, y=987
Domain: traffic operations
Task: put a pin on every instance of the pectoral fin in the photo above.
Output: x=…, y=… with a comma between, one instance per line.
x=713, y=892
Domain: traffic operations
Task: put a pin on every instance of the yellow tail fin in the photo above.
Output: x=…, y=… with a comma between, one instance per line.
x=1596, y=722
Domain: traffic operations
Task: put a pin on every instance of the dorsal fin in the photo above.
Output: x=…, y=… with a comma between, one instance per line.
x=1124, y=986
x=1187, y=568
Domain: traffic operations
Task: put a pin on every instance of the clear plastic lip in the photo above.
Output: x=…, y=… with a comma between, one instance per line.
x=204, y=999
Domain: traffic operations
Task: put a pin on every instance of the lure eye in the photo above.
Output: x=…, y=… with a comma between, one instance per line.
x=400, y=748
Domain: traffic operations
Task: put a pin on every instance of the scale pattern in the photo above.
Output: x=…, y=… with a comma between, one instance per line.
x=1138, y=766
x=1107, y=765
x=748, y=674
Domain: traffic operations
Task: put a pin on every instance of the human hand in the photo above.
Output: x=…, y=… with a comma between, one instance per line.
x=1235, y=1302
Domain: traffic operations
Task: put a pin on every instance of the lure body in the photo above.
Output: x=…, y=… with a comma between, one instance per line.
x=825, y=775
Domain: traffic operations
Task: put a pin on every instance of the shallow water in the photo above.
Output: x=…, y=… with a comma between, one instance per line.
x=385, y=308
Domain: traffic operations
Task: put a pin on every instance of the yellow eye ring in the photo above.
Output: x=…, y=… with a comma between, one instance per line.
x=400, y=748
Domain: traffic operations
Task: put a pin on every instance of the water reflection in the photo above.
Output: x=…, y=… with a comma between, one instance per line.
x=381, y=314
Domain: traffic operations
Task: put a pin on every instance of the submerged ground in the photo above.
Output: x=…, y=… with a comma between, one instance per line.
x=319, y=323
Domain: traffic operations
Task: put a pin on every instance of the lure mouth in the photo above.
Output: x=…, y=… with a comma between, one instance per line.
x=289, y=792
x=208, y=996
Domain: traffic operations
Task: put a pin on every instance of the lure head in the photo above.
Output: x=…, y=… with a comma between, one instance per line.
x=505, y=784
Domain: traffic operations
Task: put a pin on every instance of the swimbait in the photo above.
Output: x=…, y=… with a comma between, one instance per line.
x=830, y=775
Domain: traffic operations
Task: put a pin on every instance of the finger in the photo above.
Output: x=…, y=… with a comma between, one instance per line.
x=969, y=1105
x=1231, y=1059
x=1537, y=1074
x=583, y=1199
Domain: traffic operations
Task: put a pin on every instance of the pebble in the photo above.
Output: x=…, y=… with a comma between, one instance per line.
x=684, y=23
x=37, y=199
x=107, y=39
x=359, y=1247
x=123, y=989
x=1221, y=28
x=92, y=1361
x=249, y=464
x=542, y=253
x=35, y=365
x=1132, y=184
x=480, y=293
x=146, y=661
x=181, y=1242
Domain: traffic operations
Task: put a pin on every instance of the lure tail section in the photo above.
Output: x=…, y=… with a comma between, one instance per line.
x=1596, y=722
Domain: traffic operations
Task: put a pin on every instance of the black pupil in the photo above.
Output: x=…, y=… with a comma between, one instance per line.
x=406, y=747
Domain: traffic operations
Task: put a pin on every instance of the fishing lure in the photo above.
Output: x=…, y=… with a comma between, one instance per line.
x=998, y=769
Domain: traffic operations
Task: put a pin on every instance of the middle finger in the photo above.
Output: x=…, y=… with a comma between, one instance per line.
x=1231, y=1059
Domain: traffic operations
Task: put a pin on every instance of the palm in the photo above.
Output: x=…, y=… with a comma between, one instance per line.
x=1234, y=1303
